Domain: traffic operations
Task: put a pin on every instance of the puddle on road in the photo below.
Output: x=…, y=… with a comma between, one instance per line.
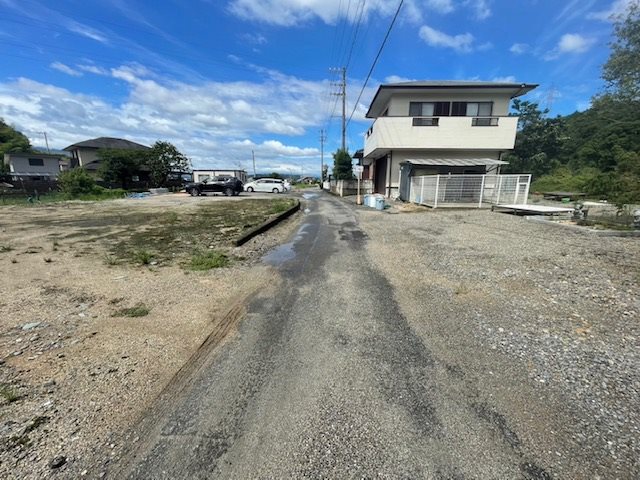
x=285, y=252
x=280, y=255
x=309, y=196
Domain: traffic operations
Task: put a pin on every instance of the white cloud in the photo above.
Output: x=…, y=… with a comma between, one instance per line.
x=440, y=6
x=570, y=43
x=61, y=67
x=481, y=9
x=435, y=38
x=288, y=13
x=507, y=79
x=207, y=121
x=618, y=7
x=276, y=148
x=93, y=69
x=397, y=79
x=86, y=31
x=519, y=48
x=574, y=43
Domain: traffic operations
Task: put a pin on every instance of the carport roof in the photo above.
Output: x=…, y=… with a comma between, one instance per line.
x=455, y=162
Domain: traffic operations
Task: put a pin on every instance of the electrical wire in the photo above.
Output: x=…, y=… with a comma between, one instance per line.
x=355, y=34
x=375, y=61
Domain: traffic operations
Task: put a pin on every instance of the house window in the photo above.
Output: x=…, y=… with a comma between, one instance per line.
x=429, y=109
x=36, y=162
x=425, y=122
x=471, y=109
x=484, y=122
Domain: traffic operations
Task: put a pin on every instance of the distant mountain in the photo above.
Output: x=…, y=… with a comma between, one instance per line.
x=53, y=151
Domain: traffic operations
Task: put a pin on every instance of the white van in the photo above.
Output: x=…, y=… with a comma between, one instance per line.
x=274, y=185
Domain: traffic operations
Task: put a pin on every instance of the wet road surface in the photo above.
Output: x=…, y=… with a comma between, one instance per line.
x=325, y=379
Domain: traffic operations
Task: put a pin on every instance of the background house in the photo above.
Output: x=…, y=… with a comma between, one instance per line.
x=34, y=166
x=85, y=154
x=200, y=175
x=438, y=127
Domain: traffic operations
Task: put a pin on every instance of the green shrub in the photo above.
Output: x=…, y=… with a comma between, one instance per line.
x=76, y=182
x=202, y=261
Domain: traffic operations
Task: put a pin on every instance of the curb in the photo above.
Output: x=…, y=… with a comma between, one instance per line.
x=266, y=225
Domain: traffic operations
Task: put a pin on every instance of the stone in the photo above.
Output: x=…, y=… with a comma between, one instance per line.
x=58, y=461
x=31, y=326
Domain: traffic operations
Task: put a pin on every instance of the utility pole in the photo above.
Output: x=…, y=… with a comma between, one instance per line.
x=47, y=142
x=343, y=93
x=253, y=155
x=323, y=138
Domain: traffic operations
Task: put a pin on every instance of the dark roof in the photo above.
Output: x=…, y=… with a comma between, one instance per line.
x=384, y=91
x=108, y=142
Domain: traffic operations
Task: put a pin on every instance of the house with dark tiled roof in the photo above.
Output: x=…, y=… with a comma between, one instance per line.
x=85, y=154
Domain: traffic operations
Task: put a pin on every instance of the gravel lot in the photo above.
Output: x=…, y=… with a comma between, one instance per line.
x=75, y=374
x=539, y=324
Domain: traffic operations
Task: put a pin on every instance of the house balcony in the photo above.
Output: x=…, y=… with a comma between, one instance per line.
x=440, y=133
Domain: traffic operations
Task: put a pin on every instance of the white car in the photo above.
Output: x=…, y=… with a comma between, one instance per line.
x=265, y=185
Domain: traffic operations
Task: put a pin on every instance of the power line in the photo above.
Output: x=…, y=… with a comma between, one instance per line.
x=355, y=33
x=375, y=61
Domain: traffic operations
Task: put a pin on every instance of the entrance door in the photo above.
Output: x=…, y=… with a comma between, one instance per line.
x=380, y=175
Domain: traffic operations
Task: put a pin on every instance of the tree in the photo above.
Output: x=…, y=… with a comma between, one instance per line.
x=118, y=166
x=538, y=142
x=276, y=175
x=164, y=158
x=75, y=182
x=11, y=140
x=622, y=69
x=342, y=167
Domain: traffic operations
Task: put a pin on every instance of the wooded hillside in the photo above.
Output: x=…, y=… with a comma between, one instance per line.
x=596, y=151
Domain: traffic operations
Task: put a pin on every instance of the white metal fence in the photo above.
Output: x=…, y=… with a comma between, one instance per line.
x=469, y=190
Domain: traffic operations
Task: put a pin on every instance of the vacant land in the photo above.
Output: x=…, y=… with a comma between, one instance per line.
x=536, y=329
x=100, y=305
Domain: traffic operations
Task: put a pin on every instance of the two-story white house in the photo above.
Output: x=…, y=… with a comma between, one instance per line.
x=438, y=127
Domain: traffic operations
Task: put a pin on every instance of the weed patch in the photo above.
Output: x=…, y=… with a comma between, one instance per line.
x=5, y=248
x=282, y=205
x=202, y=261
x=8, y=393
x=142, y=257
x=139, y=310
x=111, y=260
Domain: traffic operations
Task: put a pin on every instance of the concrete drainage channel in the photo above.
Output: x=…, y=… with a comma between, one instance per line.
x=267, y=225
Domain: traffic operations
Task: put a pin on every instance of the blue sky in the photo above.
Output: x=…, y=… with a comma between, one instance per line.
x=220, y=78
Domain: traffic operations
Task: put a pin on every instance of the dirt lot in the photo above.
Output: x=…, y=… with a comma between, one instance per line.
x=101, y=303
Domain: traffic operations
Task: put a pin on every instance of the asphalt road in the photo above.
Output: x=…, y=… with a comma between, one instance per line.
x=325, y=379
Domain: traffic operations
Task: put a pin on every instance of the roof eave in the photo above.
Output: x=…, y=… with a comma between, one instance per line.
x=519, y=90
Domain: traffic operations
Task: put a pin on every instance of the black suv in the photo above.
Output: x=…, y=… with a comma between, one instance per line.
x=221, y=184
